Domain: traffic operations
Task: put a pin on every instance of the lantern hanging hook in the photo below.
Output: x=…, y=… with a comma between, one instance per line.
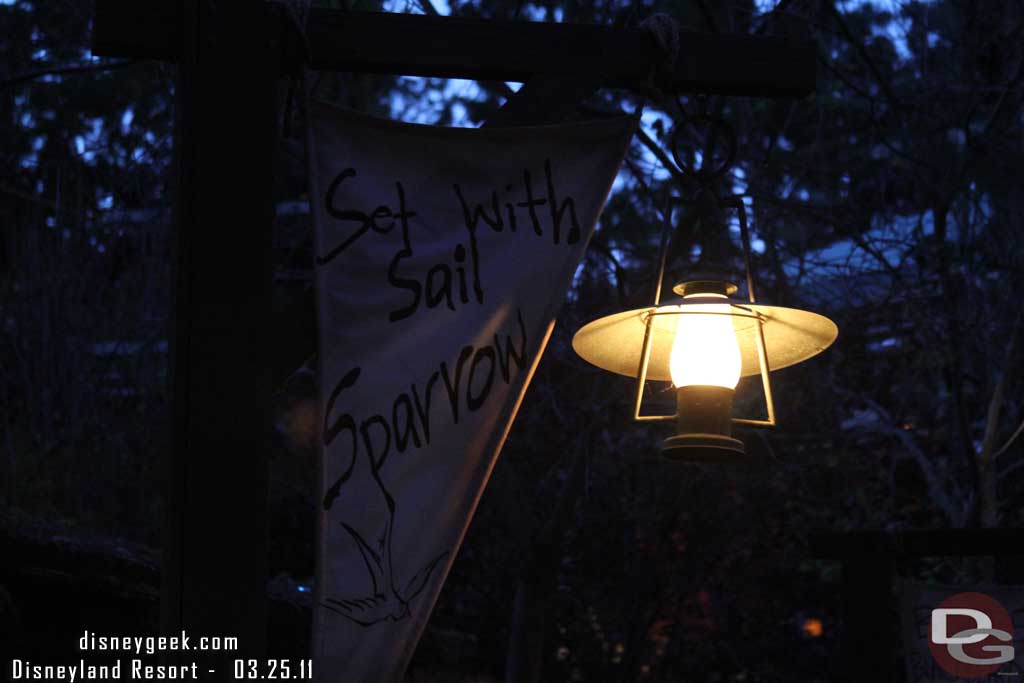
x=708, y=172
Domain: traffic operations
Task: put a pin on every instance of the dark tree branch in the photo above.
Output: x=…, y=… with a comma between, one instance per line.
x=858, y=45
x=709, y=18
x=63, y=69
x=428, y=8
x=15, y=192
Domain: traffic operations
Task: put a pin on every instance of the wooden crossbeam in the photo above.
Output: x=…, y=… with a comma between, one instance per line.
x=485, y=49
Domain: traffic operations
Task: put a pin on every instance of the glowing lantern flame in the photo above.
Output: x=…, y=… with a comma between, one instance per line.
x=705, y=350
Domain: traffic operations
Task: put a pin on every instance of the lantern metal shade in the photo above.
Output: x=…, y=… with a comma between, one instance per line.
x=639, y=343
x=615, y=342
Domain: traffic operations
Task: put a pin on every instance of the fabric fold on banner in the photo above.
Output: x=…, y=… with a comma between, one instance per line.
x=442, y=258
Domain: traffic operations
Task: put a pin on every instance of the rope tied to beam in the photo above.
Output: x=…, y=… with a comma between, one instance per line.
x=665, y=30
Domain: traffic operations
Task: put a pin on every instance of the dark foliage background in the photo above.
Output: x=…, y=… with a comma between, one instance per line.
x=889, y=200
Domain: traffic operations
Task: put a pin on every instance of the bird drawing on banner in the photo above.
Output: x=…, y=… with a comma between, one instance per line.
x=387, y=600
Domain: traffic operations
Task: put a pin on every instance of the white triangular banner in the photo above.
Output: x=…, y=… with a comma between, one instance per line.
x=443, y=256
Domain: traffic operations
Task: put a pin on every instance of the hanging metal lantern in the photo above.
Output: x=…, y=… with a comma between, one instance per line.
x=704, y=343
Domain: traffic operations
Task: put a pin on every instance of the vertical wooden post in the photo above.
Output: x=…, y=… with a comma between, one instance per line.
x=869, y=626
x=214, y=581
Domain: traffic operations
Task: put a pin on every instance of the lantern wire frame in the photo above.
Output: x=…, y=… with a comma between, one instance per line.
x=762, y=352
